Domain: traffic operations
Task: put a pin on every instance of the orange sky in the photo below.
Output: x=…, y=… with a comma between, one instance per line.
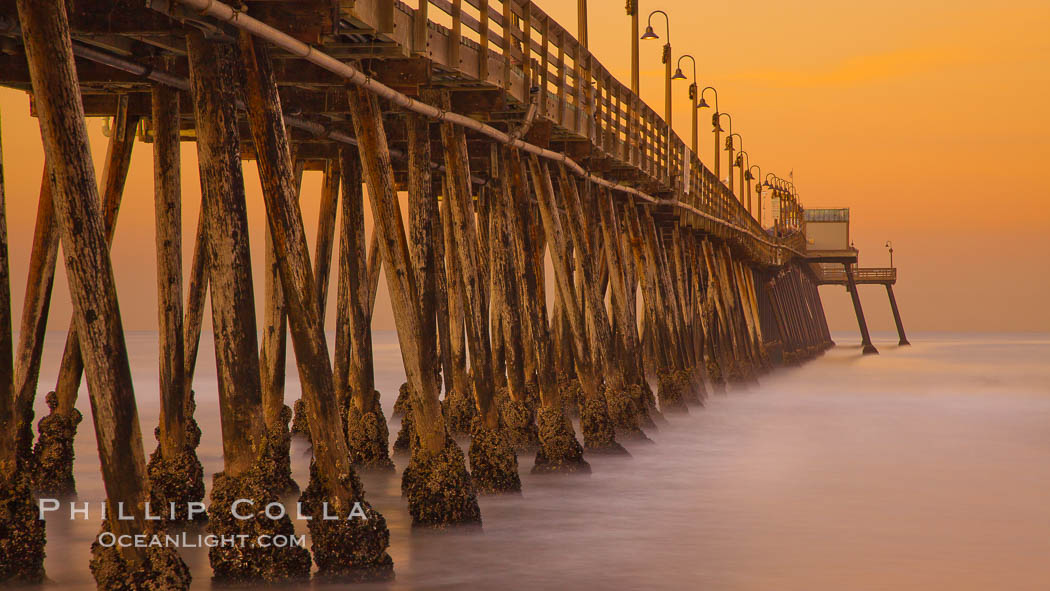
x=927, y=118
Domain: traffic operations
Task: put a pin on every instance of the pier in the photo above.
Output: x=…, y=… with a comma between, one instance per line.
x=525, y=164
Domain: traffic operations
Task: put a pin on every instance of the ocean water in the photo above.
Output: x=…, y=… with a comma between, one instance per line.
x=926, y=467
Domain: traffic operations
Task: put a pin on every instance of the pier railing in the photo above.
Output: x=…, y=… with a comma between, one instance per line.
x=515, y=46
x=834, y=274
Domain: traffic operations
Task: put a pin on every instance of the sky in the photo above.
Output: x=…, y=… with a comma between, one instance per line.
x=928, y=119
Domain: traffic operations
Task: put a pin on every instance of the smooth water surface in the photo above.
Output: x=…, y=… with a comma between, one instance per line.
x=925, y=467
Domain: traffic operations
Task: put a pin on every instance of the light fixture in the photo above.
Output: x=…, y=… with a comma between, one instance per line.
x=650, y=33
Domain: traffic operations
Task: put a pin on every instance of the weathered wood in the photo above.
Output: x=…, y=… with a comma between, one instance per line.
x=563, y=276
x=280, y=195
x=716, y=287
x=622, y=305
x=167, y=197
x=454, y=289
x=114, y=175
x=375, y=162
x=723, y=259
x=212, y=66
x=273, y=351
x=650, y=285
x=422, y=215
x=506, y=276
x=8, y=420
x=515, y=205
x=443, y=301
x=587, y=256
x=375, y=265
x=668, y=295
x=39, y=284
x=326, y=233
x=747, y=284
x=680, y=274
x=77, y=207
x=487, y=221
x=474, y=280
x=631, y=282
x=195, y=299
x=787, y=338
x=353, y=341
x=273, y=345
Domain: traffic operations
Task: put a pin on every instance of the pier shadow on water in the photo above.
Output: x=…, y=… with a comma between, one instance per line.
x=921, y=468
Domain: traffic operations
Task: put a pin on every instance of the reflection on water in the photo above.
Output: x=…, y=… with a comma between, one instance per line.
x=921, y=468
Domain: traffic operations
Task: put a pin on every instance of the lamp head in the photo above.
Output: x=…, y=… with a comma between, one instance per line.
x=650, y=33
x=678, y=75
x=747, y=175
x=767, y=185
x=703, y=103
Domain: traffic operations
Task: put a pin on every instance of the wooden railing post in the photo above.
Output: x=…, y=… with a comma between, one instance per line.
x=508, y=42
x=455, y=35
x=483, y=36
x=420, y=35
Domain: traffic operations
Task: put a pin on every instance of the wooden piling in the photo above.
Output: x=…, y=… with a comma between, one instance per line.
x=39, y=283
x=422, y=215
x=353, y=341
x=176, y=475
x=559, y=451
x=9, y=421
x=195, y=299
x=458, y=404
x=437, y=461
x=622, y=304
x=598, y=430
x=538, y=337
x=46, y=35
x=494, y=467
x=475, y=297
x=326, y=233
x=896, y=316
x=167, y=195
x=375, y=161
x=229, y=260
x=367, y=435
x=618, y=401
x=297, y=280
x=114, y=175
x=563, y=275
x=22, y=534
x=505, y=278
x=273, y=350
x=851, y=285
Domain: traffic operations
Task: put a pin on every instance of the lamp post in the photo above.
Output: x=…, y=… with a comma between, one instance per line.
x=632, y=11
x=581, y=22
x=666, y=59
x=889, y=245
x=743, y=161
x=758, y=189
x=714, y=122
x=777, y=185
x=678, y=75
x=796, y=207
x=729, y=159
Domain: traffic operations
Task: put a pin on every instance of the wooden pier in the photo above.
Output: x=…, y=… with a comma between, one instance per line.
x=525, y=163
